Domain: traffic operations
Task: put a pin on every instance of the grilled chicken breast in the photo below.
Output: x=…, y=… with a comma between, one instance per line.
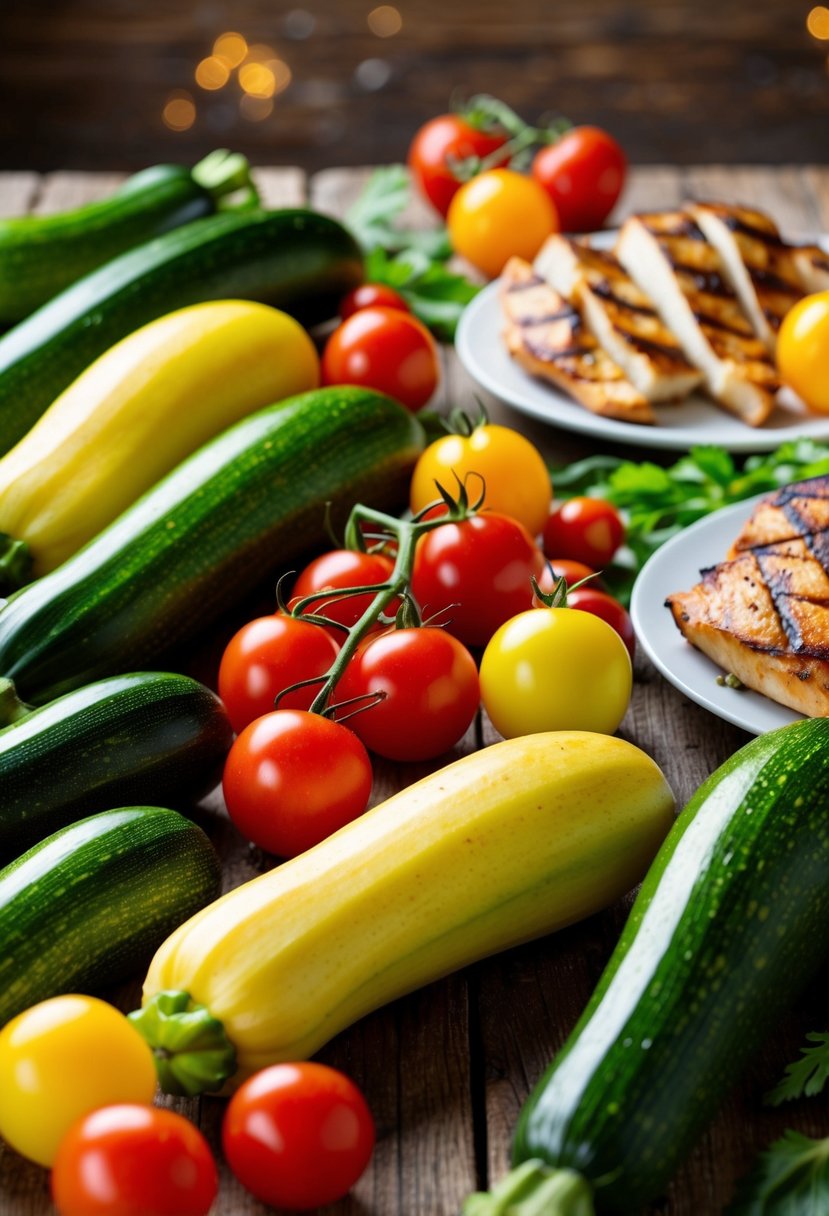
x=547, y=337
x=756, y=260
x=797, y=510
x=619, y=316
x=811, y=265
x=670, y=260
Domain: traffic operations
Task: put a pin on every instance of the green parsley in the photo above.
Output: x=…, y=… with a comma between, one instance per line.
x=790, y=1179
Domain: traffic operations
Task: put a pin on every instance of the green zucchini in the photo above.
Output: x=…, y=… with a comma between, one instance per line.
x=296, y=260
x=87, y=906
x=211, y=531
x=143, y=737
x=40, y=255
x=731, y=922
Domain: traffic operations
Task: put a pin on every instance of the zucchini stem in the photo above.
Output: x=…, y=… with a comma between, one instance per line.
x=534, y=1189
x=12, y=709
x=227, y=179
x=193, y=1054
x=15, y=563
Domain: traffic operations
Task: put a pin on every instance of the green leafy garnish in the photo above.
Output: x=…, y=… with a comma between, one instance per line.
x=789, y=1179
x=805, y=1076
x=411, y=261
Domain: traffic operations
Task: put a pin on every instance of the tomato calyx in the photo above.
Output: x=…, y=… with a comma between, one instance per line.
x=557, y=598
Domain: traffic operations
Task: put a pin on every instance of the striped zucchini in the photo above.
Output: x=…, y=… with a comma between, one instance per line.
x=40, y=255
x=207, y=534
x=296, y=260
x=85, y=907
x=731, y=922
x=143, y=737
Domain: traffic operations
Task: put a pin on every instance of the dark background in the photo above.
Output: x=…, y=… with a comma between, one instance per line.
x=83, y=83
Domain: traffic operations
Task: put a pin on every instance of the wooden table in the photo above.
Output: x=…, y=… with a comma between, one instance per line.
x=446, y=1069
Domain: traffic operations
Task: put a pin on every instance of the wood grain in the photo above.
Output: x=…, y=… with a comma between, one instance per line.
x=446, y=1069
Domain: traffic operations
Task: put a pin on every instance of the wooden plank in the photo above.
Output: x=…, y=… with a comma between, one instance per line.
x=18, y=192
x=281, y=187
x=63, y=190
x=816, y=180
x=782, y=191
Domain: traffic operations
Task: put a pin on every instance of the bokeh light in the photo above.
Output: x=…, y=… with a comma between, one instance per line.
x=257, y=80
x=212, y=73
x=282, y=74
x=385, y=21
x=179, y=111
x=231, y=48
x=817, y=23
x=255, y=109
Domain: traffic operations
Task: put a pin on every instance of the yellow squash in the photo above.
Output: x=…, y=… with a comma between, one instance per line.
x=502, y=846
x=138, y=411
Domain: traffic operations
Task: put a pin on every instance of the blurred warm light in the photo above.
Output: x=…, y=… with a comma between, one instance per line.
x=212, y=73
x=231, y=48
x=179, y=111
x=257, y=80
x=281, y=74
x=385, y=21
x=256, y=109
x=817, y=23
x=258, y=52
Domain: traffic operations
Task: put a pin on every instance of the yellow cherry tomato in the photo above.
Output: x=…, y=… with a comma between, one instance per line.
x=516, y=477
x=803, y=351
x=555, y=669
x=61, y=1059
x=498, y=215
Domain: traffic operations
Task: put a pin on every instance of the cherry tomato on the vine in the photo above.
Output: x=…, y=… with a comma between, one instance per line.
x=592, y=599
x=803, y=351
x=384, y=349
x=266, y=656
x=513, y=471
x=476, y=574
x=555, y=669
x=498, y=215
x=439, y=145
x=563, y=567
x=298, y=1136
x=588, y=530
x=292, y=778
x=583, y=172
x=336, y=571
x=431, y=691
x=367, y=295
x=134, y=1161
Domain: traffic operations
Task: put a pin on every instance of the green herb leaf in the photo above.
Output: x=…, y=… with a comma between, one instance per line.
x=789, y=1179
x=385, y=196
x=805, y=1076
x=436, y=296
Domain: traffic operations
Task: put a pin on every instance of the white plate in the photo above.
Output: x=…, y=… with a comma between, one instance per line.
x=696, y=420
x=676, y=567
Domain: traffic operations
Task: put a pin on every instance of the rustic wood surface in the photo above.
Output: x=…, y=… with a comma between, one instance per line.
x=446, y=1069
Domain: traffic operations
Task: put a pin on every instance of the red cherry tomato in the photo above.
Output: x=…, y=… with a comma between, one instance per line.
x=367, y=295
x=583, y=172
x=134, y=1161
x=431, y=691
x=266, y=656
x=587, y=530
x=338, y=570
x=298, y=1136
x=590, y=599
x=442, y=143
x=562, y=567
x=384, y=349
x=476, y=574
x=292, y=778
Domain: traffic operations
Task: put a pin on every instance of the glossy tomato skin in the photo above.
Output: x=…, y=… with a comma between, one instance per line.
x=592, y=599
x=588, y=530
x=564, y=567
x=555, y=669
x=62, y=1058
x=583, y=173
x=338, y=570
x=298, y=1136
x=266, y=656
x=134, y=1161
x=438, y=144
x=476, y=574
x=803, y=351
x=292, y=778
x=384, y=349
x=512, y=469
x=431, y=691
x=368, y=295
x=498, y=215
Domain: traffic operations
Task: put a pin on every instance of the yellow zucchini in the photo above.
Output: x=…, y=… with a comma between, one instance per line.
x=502, y=846
x=138, y=411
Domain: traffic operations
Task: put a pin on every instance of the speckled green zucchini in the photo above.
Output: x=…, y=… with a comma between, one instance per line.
x=87, y=906
x=236, y=511
x=142, y=737
x=731, y=922
x=40, y=255
x=296, y=260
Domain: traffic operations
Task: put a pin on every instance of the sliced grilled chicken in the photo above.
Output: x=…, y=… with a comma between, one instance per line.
x=756, y=260
x=619, y=316
x=669, y=259
x=811, y=265
x=547, y=337
x=798, y=510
